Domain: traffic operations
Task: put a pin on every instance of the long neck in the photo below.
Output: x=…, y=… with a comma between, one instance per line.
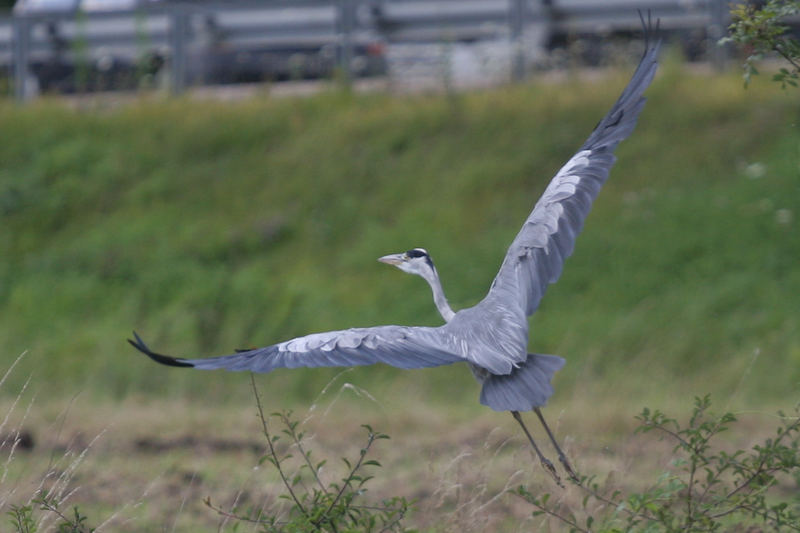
x=438, y=295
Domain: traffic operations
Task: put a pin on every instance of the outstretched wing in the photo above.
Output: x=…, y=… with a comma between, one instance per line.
x=399, y=346
x=536, y=257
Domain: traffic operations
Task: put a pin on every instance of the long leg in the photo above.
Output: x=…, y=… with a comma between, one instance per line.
x=545, y=462
x=561, y=456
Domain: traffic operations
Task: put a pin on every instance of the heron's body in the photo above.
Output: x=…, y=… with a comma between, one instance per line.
x=492, y=336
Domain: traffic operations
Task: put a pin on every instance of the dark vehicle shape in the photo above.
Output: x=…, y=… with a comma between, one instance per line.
x=93, y=45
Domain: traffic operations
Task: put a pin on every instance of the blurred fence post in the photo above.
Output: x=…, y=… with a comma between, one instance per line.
x=345, y=24
x=717, y=25
x=21, y=43
x=516, y=20
x=178, y=26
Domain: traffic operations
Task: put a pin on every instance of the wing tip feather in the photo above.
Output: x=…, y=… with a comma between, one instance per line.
x=167, y=360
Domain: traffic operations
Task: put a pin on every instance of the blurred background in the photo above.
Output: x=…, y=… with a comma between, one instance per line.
x=224, y=175
x=68, y=46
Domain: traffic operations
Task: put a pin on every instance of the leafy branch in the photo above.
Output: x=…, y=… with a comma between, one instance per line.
x=710, y=489
x=297, y=438
x=761, y=30
x=273, y=455
x=22, y=518
x=320, y=505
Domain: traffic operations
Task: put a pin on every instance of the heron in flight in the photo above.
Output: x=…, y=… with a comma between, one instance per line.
x=492, y=336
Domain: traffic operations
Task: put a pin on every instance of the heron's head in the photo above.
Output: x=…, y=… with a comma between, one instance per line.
x=415, y=261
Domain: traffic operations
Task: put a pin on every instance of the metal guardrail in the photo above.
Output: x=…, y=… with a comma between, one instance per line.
x=174, y=33
x=180, y=34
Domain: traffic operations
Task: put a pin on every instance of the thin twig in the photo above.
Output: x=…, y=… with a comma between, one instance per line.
x=272, y=451
x=689, y=492
x=46, y=505
x=790, y=525
x=785, y=55
x=390, y=525
x=599, y=497
x=401, y=513
x=348, y=479
x=717, y=475
x=753, y=510
x=552, y=513
x=789, y=429
x=234, y=516
x=293, y=434
x=673, y=434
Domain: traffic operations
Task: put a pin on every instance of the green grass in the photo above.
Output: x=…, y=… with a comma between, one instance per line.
x=211, y=226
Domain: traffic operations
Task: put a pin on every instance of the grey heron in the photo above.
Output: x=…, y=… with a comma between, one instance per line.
x=492, y=336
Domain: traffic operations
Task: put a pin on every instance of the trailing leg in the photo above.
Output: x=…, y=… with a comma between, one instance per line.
x=561, y=456
x=545, y=462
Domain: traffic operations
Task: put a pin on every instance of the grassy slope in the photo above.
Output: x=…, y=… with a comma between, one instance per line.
x=209, y=226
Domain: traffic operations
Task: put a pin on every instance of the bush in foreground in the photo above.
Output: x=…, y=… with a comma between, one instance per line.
x=314, y=504
x=709, y=489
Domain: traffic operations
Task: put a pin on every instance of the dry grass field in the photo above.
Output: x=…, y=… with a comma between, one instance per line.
x=147, y=464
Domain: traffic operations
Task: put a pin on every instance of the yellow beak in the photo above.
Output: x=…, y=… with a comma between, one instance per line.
x=393, y=259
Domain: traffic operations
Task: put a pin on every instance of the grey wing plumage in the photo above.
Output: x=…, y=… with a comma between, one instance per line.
x=399, y=346
x=536, y=257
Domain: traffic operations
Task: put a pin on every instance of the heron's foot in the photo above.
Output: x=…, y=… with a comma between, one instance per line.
x=568, y=467
x=548, y=466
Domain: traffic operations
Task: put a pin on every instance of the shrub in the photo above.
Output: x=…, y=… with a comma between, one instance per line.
x=24, y=520
x=709, y=489
x=314, y=504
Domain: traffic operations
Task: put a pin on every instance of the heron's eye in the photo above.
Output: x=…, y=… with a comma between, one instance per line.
x=416, y=252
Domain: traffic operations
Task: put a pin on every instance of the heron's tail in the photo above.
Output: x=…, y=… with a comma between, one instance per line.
x=526, y=387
